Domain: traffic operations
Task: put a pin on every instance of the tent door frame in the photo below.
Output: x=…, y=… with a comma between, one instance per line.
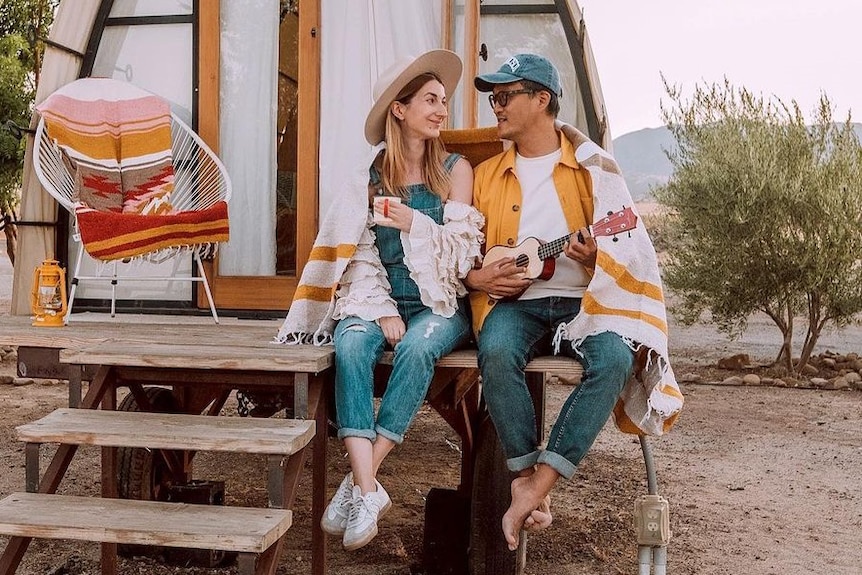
x=267, y=292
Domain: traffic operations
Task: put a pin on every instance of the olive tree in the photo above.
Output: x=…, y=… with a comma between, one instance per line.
x=765, y=213
x=23, y=24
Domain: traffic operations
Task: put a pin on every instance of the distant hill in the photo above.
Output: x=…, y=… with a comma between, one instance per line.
x=642, y=158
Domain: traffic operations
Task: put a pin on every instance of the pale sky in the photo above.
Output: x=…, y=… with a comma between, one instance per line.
x=791, y=49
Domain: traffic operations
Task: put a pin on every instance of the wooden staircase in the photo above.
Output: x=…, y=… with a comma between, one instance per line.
x=254, y=533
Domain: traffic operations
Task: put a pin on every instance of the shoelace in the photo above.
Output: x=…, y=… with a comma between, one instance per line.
x=345, y=493
x=360, y=506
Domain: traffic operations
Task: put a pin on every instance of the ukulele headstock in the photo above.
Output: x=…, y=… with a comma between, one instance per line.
x=615, y=223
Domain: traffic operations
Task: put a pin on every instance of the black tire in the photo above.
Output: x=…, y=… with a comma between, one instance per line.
x=489, y=554
x=141, y=473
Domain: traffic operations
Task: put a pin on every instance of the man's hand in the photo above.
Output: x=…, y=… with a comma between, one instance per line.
x=583, y=253
x=393, y=328
x=501, y=278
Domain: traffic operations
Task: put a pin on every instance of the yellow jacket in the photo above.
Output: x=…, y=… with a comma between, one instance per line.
x=497, y=195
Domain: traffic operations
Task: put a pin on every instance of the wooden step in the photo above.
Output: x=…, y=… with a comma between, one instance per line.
x=242, y=529
x=169, y=431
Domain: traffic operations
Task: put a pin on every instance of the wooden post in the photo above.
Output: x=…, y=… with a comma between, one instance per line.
x=471, y=62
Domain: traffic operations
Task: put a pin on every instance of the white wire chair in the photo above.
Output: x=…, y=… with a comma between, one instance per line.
x=200, y=180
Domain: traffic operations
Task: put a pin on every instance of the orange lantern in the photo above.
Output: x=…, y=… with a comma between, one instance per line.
x=48, y=298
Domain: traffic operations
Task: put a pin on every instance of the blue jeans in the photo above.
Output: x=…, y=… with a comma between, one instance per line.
x=515, y=332
x=358, y=346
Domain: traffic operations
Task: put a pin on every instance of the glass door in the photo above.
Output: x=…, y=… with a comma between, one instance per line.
x=273, y=211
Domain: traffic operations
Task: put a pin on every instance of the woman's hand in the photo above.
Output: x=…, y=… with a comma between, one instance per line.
x=393, y=328
x=400, y=216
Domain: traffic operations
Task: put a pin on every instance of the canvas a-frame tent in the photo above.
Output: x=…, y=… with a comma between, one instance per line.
x=280, y=89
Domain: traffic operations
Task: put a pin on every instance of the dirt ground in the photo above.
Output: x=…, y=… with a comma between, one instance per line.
x=761, y=480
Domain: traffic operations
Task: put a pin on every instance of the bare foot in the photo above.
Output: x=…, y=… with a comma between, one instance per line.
x=526, y=498
x=540, y=518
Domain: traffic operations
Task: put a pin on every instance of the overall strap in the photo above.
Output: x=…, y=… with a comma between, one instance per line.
x=451, y=160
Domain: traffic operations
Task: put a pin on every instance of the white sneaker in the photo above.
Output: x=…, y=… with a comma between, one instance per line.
x=335, y=516
x=365, y=511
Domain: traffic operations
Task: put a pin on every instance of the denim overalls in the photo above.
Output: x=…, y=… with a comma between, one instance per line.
x=359, y=343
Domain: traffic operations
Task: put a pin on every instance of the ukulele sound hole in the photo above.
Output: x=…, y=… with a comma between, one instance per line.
x=522, y=260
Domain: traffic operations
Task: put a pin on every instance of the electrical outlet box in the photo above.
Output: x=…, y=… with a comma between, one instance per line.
x=652, y=520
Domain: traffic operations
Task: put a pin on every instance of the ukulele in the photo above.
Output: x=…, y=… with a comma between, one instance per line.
x=539, y=257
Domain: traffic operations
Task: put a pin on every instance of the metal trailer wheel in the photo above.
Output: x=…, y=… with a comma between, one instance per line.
x=142, y=473
x=489, y=554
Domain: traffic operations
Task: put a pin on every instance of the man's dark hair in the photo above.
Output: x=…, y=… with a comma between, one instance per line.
x=553, y=103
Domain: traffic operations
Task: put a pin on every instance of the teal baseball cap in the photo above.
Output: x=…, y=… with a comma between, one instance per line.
x=522, y=67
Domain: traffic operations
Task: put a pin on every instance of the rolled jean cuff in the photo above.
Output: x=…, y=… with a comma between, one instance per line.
x=558, y=463
x=522, y=462
x=394, y=437
x=349, y=432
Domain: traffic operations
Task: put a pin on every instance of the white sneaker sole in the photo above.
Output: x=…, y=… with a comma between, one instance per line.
x=372, y=533
x=331, y=529
x=359, y=543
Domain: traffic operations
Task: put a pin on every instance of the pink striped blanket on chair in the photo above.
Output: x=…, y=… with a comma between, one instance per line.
x=116, y=141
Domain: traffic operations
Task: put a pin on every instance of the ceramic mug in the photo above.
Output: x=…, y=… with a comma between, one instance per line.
x=381, y=208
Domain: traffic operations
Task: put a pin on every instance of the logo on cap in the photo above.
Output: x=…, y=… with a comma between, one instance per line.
x=513, y=63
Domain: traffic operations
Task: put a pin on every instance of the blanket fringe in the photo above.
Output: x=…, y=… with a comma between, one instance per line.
x=562, y=333
x=656, y=368
x=206, y=250
x=304, y=338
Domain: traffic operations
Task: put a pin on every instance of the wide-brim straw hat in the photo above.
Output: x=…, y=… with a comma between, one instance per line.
x=444, y=64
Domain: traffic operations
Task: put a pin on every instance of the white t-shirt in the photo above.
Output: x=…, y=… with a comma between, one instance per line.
x=542, y=217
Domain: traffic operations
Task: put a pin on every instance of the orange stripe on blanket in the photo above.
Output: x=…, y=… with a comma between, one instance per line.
x=110, y=236
x=154, y=231
x=106, y=146
x=314, y=293
x=105, y=130
x=592, y=307
x=623, y=421
x=626, y=425
x=107, y=126
x=625, y=280
x=332, y=253
x=188, y=236
x=672, y=392
x=187, y=240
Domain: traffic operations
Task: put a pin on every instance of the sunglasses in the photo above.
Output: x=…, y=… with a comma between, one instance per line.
x=502, y=98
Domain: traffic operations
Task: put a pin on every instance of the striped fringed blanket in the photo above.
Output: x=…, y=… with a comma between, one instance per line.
x=116, y=139
x=309, y=319
x=111, y=236
x=625, y=297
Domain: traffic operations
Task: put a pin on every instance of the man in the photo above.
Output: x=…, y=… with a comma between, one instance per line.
x=602, y=304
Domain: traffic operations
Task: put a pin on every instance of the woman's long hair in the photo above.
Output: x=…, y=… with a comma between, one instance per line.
x=394, y=171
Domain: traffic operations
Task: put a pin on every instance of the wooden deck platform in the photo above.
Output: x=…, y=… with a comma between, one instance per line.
x=99, y=328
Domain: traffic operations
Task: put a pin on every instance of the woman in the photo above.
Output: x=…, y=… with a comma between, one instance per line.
x=402, y=285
